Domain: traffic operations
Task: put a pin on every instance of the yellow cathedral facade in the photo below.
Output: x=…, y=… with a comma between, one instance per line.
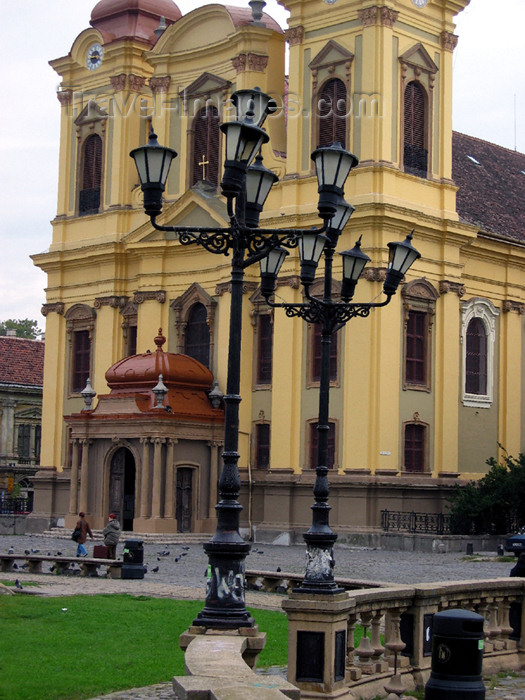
x=422, y=392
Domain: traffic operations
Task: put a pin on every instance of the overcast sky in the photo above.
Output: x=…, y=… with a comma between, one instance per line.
x=489, y=90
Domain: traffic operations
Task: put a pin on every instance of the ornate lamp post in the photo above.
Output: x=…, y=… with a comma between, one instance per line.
x=245, y=187
x=331, y=315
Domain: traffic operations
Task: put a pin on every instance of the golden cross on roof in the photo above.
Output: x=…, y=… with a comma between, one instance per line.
x=204, y=163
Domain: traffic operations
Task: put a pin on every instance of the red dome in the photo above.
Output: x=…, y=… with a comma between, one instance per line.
x=136, y=19
x=141, y=372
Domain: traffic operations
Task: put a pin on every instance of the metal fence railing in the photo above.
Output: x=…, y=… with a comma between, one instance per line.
x=14, y=506
x=424, y=523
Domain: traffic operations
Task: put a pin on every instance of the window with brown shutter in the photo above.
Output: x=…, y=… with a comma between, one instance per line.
x=316, y=355
x=415, y=447
x=314, y=445
x=206, y=146
x=197, y=337
x=89, y=195
x=332, y=113
x=81, y=360
x=264, y=349
x=416, y=351
x=415, y=152
x=476, y=358
x=262, y=445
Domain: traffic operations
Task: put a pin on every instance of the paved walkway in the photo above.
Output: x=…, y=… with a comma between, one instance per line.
x=182, y=568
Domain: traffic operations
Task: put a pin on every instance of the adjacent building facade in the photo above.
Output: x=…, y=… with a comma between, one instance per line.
x=21, y=384
x=422, y=392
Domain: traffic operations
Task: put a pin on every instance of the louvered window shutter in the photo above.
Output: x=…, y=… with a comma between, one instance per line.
x=206, y=146
x=476, y=358
x=415, y=447
x=197, y=339
x=415, y=155
x=332, y=110
x=89, y=199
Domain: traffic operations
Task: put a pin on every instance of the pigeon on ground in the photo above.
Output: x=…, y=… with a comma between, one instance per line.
x=18, y=585
x=155, y=569
x=15, y=565
x=11, y=550
x=51, y=568
x=177, y=559
x=185, y=548
x=260, y=551
x=183, y=554
x=26, y=551
x=59, y=554
x=35, y=551
x=278, y=569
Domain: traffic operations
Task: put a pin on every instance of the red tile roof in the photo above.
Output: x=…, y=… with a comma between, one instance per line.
x=21, y=361
x=491, y=181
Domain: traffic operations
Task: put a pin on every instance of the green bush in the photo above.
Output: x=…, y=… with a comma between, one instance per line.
x=495, y=504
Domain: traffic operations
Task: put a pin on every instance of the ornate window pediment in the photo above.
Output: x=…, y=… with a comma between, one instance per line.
x=418, y=58
x=331, y=55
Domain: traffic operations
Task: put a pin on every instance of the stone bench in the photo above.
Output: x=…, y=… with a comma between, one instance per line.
x=88, y=565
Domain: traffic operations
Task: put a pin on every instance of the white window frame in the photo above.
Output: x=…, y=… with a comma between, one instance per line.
x=488, y=313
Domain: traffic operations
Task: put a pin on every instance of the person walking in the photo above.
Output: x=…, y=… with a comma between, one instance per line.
x=112, y=535
x=85, y=530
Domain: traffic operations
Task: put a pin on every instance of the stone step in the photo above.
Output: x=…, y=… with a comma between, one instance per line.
x=147, y=537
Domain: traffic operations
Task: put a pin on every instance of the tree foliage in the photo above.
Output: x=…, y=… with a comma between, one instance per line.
x=495, y=504
x=24, y=327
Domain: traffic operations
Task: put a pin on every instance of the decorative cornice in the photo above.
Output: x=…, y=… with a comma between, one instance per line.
x=136, y=82
x=57, y=307
x=140, y=297
x=374, y=274
x=118, y=82
x=65, y=97
x=446, y=286
x=449, y=41
x=223, y=287
x=388, y=17
x=510, y=305
x=114, y=302
x=294, y=35
x=239, y=63
x=252, y=61
x=368, y=16
x=160, y=84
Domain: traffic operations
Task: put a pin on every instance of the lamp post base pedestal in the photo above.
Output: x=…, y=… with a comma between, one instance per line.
x=225, y=604
x=319, y=568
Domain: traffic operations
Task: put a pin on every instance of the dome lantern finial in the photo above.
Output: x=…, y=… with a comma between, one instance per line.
x=159, y=341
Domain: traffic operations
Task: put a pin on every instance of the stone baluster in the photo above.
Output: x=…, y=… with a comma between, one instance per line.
x=365, y=651
x=380, y=664
x=504, y=624
x=395, y=645
x=482, y=610
x=353, y=672
x=494, y=629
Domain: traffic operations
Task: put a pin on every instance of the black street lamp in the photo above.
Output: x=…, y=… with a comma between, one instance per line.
x=331, y=315
x=245, y=187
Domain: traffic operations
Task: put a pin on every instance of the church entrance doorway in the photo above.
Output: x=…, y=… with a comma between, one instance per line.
x=122, y=487
x=183, y=511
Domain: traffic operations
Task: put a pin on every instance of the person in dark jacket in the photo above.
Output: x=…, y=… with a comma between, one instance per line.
x=519, y=569
x=85, y=530
x=112, y=535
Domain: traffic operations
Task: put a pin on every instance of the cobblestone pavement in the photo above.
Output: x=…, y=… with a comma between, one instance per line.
x=182, y=568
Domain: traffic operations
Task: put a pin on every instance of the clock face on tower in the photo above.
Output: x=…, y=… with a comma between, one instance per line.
x=420, y=3
x=94, y=56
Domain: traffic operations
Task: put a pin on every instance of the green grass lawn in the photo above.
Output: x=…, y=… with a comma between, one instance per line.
x=77, y=647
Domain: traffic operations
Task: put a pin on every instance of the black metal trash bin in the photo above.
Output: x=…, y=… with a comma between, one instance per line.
x=457, y=657
x=133, y=566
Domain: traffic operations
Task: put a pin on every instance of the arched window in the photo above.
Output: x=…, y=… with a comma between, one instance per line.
x=476, y=358
x=332, y=113
x=91, y=176
x=206, y=146
x=478, y=336
x=415, y=153
x=197, y=337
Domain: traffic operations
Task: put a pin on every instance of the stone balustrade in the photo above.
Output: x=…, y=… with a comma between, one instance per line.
x=395, y=651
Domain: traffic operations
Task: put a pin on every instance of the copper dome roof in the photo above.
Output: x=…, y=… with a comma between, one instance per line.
x=141, y=372
x=136, y=19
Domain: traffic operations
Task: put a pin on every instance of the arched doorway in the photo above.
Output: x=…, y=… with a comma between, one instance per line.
x=122, y=487
x=183, y=512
